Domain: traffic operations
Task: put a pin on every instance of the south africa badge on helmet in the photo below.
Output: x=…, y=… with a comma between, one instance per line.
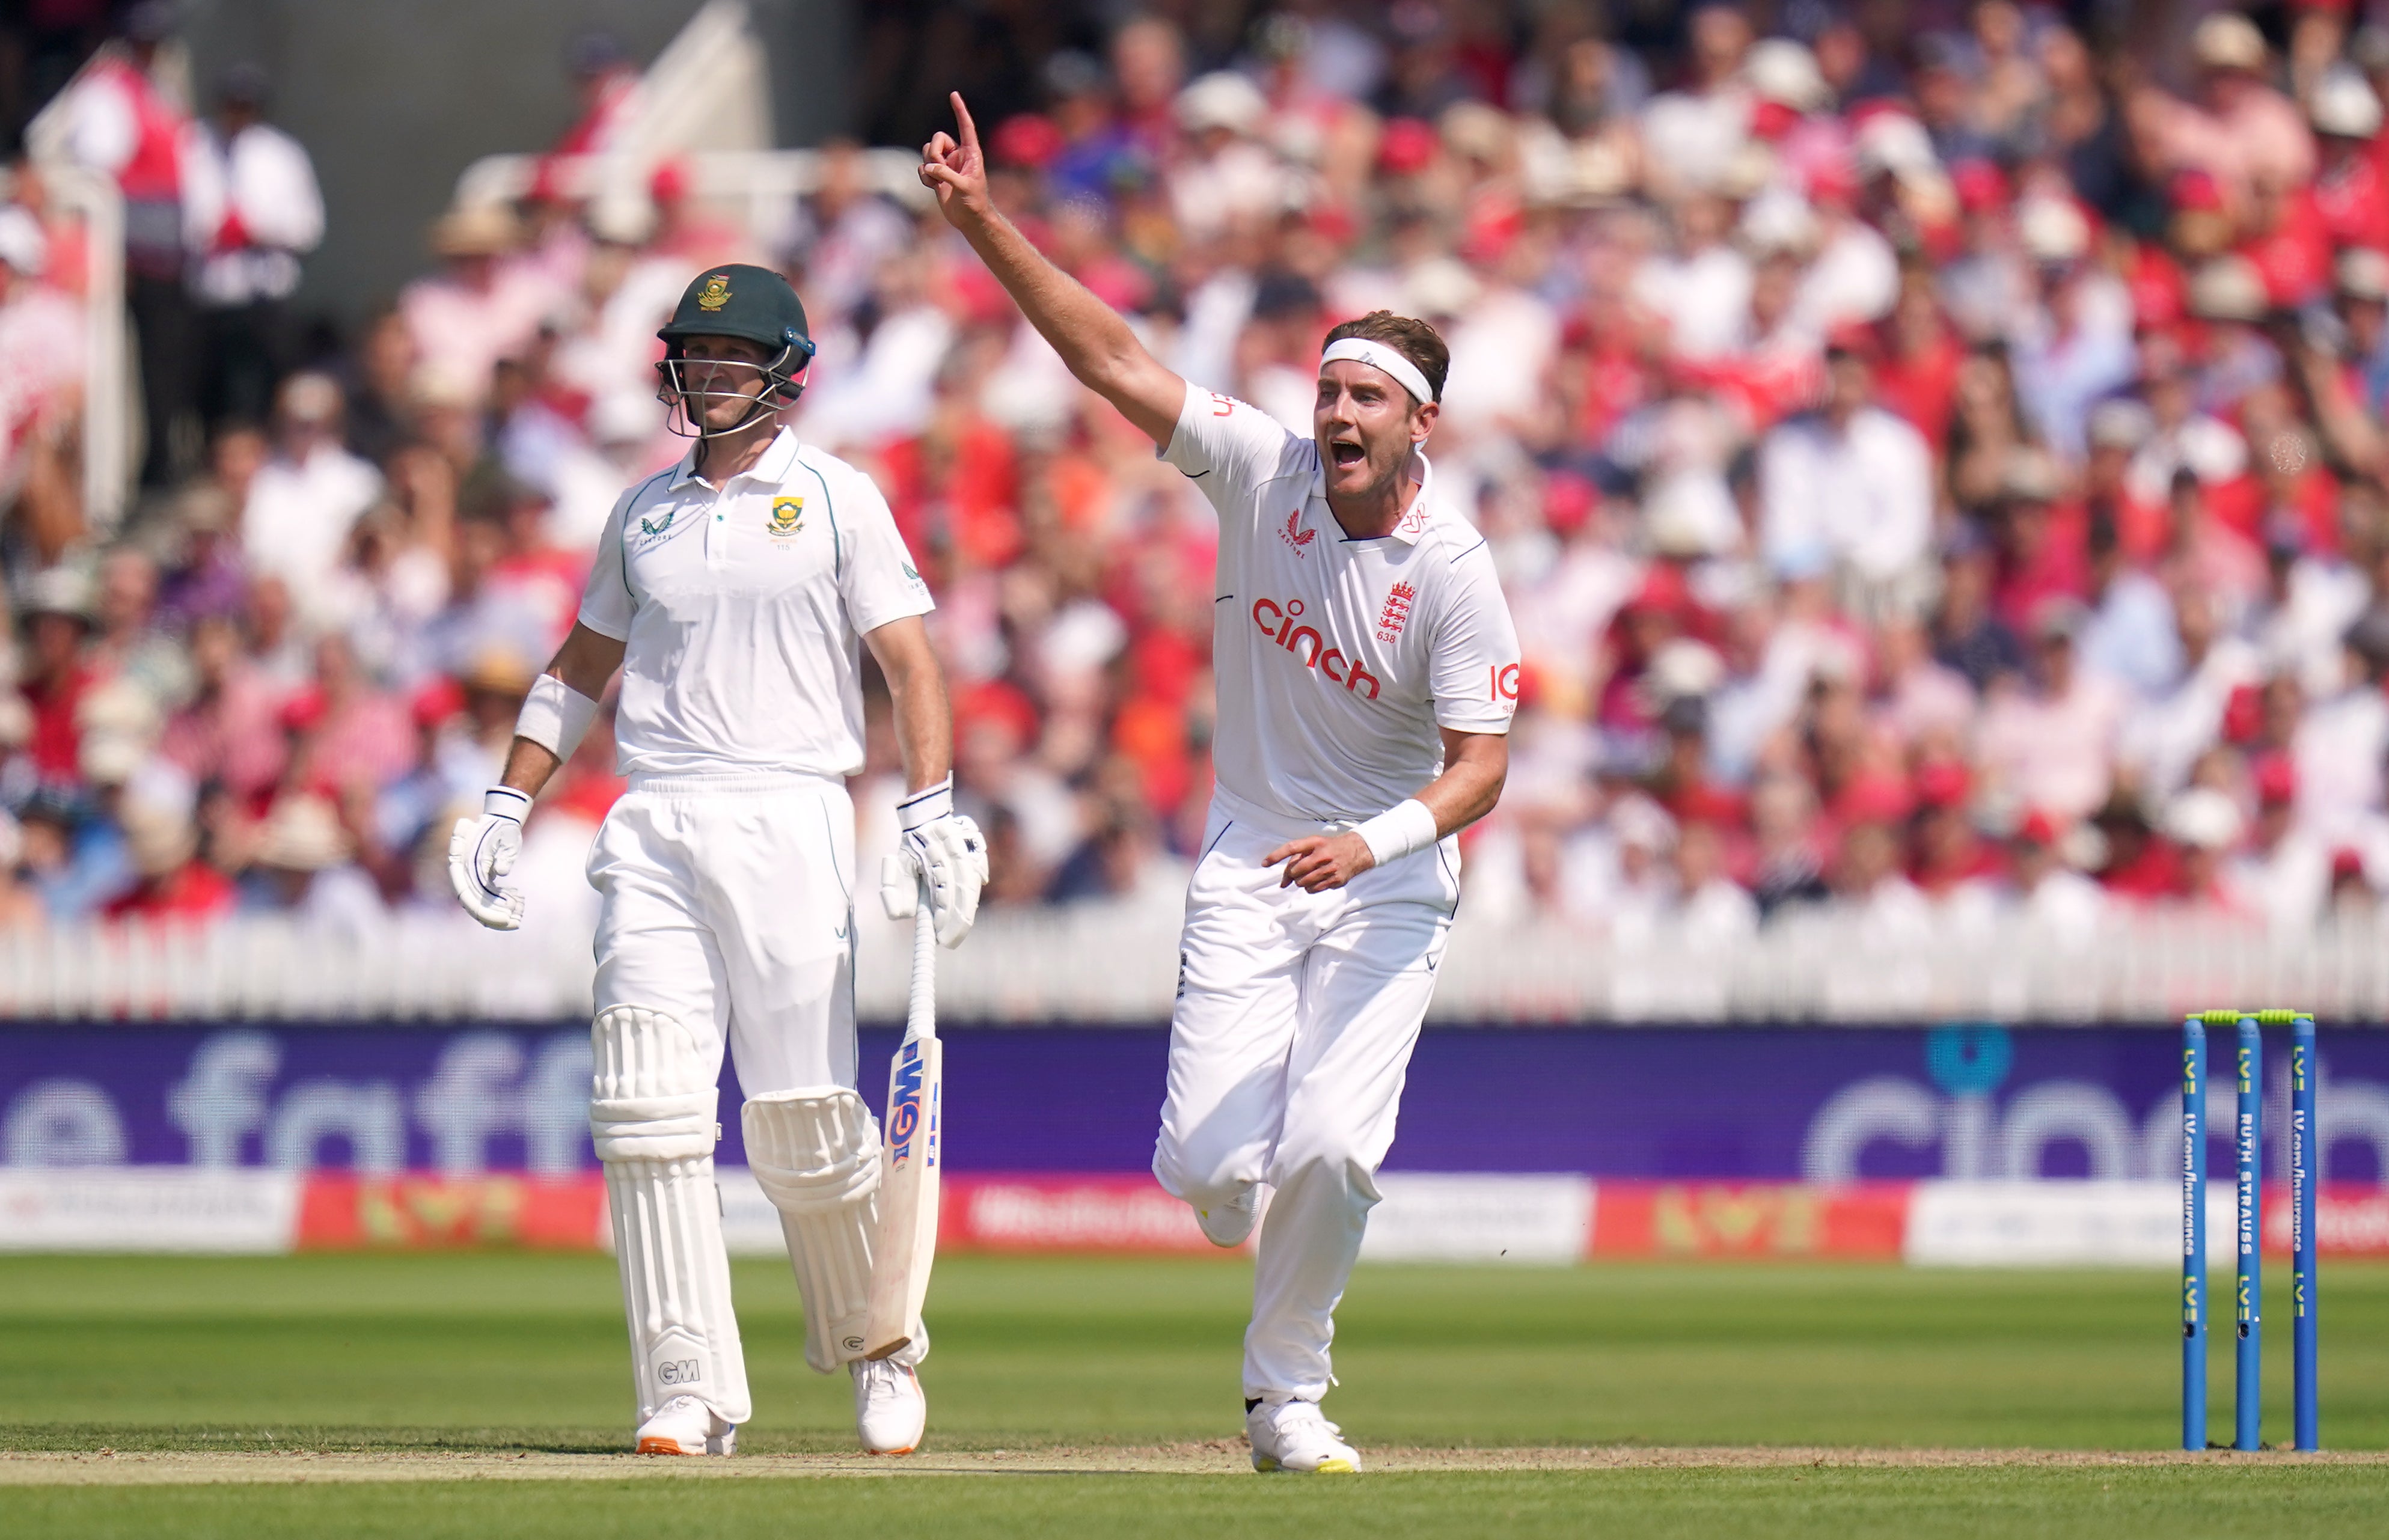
x=715, y=294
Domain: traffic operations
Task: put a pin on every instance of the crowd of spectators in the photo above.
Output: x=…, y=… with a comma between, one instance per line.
x=1934, y=454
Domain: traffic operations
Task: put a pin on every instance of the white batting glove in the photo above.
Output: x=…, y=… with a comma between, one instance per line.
x=946, y=849
x=482, y=850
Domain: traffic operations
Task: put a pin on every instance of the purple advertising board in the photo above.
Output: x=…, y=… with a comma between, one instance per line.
x=1759, y=1102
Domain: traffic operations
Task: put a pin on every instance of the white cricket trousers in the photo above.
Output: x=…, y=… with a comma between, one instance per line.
x=728, y=904
x=1296, y=1017
x=726, y=920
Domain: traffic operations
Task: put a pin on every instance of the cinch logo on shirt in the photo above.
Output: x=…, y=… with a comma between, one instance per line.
x=1277, y=623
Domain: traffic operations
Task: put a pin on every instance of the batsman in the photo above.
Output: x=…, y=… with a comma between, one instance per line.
x=731, y=591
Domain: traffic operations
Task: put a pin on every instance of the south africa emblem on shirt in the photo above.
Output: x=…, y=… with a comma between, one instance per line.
x=788, y=516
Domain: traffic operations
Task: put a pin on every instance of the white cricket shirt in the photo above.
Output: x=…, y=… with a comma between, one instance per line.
x=1337, y=660
x=741, y=609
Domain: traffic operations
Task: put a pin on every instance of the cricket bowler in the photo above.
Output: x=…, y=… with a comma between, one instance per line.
x=731, y=590
x=1367, y=671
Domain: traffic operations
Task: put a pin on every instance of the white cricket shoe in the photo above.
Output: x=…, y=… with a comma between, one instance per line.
x=1293, y=1435
x=889, y=1410
x=684, y=1425
x=1230, y=1222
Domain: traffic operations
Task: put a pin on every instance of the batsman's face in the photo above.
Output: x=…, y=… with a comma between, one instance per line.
x=720, y=377
x=1366, y=425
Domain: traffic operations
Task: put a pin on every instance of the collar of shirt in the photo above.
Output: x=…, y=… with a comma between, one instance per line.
x=771, y=466
x=1412, y=525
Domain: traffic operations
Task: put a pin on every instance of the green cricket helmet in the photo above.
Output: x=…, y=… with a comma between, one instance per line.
x=753, y=304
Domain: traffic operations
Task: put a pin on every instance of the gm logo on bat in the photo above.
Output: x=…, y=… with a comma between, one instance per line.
x=904, y=1106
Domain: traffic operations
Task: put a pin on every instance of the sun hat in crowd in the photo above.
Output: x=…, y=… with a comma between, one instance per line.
x=302, y=834
x=2344, y=105
x=2228, y=289
x=1222, y=99
x=2205, y=819
x=475, y=230
x=59, y=591
x=1785, y=72
x=2228, y=40
x=2362, y=273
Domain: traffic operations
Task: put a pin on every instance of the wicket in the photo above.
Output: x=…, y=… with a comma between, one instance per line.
x=2248, y=1230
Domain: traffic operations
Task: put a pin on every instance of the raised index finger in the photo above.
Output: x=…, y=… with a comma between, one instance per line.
x=962, y=117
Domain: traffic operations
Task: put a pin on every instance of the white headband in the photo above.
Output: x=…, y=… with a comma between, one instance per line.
x=1360, y=350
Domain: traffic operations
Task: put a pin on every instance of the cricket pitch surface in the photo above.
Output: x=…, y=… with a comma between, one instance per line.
x=108, y=1468
x=479, y=1394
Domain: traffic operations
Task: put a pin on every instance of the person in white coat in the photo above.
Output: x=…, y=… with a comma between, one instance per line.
x=255, y=212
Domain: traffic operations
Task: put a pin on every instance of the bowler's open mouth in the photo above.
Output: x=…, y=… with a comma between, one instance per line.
x=1346, y=452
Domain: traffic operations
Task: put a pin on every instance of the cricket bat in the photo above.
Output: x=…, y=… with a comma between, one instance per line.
x=910, y=1158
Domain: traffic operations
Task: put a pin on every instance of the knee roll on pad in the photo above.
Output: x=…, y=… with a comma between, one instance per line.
x=815, y=1153
x=651, y=1096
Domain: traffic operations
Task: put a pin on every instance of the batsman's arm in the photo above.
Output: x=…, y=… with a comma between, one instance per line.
x=1091, y=338
x=941, y=848
x=925, y=726
x=562, y=703
x=585, y=664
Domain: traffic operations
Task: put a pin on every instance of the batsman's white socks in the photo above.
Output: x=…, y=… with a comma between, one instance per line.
x=815, y=1153
x=651, y=1118
x=684, y=1425
x=890, y=1409
x=1295, y=1436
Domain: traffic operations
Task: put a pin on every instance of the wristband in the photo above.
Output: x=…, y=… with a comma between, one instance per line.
x=506, y=803
x=926, y=806
x=555, y=715
x=1405, y=827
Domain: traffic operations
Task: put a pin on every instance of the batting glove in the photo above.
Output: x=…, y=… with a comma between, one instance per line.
x=947, y=851
x=482, y=850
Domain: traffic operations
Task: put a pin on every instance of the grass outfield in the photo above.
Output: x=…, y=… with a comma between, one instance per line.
x=1099, y=1364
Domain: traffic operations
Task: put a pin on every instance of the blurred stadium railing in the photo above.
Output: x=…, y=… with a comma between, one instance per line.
x=1095, y=963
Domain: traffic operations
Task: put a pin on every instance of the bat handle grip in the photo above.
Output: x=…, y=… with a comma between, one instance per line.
x=921, y=1017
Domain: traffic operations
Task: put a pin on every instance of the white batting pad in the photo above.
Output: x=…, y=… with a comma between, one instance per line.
x=651, y=1094
x=651, y=1114
x=815, y=1153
